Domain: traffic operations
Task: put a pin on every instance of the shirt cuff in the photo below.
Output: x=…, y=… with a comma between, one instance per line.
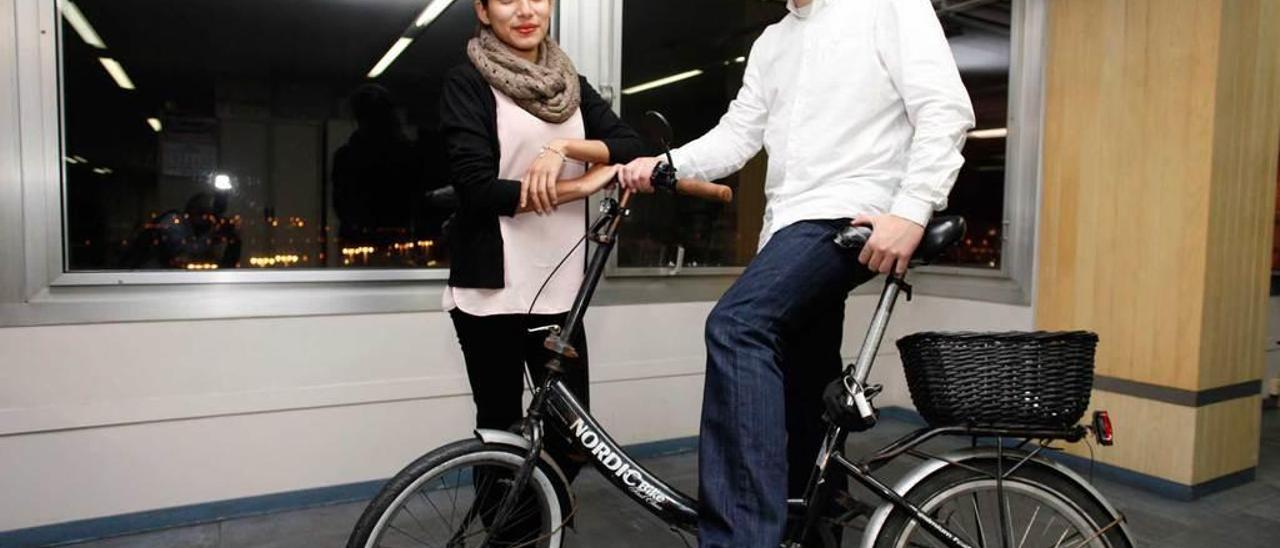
x=682, y=163
x=506, y=194
x=912, y=209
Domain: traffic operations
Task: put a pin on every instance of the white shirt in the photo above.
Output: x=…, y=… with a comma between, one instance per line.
x=532, y=245
x=860, y=107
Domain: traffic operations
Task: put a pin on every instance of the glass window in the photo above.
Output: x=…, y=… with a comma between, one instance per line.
x=702, y=61
x=215, y=134
x=979, y=36
x=692, y=71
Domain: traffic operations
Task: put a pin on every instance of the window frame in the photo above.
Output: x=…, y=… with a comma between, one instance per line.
x=1012, y=282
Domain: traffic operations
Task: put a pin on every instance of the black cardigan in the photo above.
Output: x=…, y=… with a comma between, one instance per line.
x=469, y=122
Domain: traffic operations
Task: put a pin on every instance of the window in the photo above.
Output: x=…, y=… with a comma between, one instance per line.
x=979, y=36
x=692, y=71
x=205, y=134
x=705, y=55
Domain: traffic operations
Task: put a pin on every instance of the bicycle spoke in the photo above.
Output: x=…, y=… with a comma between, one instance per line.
x=1029, y=524
x=455, y=494
x=1048, y=526
x=433, y=505
x=403, y=532
x=409, y=510
x=453, y=503
x=1008, y=512
x=1065, y=532
x=967, y=534
x=977, y=518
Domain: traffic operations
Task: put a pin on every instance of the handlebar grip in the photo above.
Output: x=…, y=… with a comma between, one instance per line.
x=705, y=190
x=851, y=236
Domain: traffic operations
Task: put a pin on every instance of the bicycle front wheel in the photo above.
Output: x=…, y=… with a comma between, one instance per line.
x=453, y=497
x=1042, y=509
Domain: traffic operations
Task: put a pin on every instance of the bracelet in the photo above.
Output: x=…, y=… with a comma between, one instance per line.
x=546, y=149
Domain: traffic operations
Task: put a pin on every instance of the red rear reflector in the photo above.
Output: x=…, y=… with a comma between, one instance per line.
x=1102, y=428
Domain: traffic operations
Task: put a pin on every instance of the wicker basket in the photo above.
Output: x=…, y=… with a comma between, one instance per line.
x=1017, y=379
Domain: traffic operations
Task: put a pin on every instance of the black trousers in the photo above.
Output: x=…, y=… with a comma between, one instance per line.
x=497, y=350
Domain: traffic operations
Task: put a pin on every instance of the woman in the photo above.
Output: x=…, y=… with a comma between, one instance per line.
x=520, y=127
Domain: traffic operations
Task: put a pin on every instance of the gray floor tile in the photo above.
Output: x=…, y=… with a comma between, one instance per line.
x=311, y=528
x=199, y=536
x=1240, y=531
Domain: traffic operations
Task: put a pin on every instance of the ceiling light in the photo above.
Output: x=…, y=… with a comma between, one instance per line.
x=117, y=72
x=431, y=12
x=81, y=24
x=390, y=57
x=661, y=82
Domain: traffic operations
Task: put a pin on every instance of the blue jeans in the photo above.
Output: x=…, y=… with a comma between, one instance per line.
x=773, y=344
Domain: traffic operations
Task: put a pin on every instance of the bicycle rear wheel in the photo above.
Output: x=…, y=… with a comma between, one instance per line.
x=451, y=497
x=1043, y=509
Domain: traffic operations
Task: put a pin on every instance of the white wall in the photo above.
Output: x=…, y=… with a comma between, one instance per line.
x=99, y=420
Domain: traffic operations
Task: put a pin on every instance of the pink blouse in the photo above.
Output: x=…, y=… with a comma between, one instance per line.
x=532, y=244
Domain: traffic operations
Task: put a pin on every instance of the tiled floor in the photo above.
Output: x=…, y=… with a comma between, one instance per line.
x=1245, y=517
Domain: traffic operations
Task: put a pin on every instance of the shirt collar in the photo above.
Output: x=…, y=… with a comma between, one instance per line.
x=809, y=10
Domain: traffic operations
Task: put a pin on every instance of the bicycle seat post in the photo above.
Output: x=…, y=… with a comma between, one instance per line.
x=879, y=324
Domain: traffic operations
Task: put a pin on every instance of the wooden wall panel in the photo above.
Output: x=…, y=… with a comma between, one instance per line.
x=1162, y=121
x=1130, y=90
x=1246, y=137
x=1140, y=425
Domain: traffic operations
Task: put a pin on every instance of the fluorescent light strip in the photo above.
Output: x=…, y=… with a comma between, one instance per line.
x=81, y=24
x=117, y=72
x=155, y=124
x=431, y=12
x=390, y=57
x=997, y=133
x=661, y=82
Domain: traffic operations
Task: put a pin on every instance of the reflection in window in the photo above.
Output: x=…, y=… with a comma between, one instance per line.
x=207, y=134
x=692, y=71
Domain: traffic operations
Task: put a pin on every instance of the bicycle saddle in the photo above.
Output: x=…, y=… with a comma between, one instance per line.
x=940, y=234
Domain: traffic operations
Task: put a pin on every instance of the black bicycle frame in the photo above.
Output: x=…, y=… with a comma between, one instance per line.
x=664, y=501
x=554, y=400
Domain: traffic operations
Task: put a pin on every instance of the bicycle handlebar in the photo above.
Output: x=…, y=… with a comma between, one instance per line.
x=664, y=177
x=705, y=190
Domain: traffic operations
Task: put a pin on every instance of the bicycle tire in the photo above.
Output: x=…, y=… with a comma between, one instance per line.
x=378, y=517
x=1032, y=480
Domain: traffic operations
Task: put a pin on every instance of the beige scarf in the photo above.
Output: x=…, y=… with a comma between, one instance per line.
x=548, y=89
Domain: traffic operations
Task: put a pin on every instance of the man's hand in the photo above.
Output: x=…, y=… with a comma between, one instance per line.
x=893, y=241
x=637, y=174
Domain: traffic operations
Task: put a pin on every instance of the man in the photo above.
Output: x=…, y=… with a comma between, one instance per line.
x=862, y=112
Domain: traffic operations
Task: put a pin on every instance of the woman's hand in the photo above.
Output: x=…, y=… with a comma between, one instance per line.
x=598, y=178
x=538, y=186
